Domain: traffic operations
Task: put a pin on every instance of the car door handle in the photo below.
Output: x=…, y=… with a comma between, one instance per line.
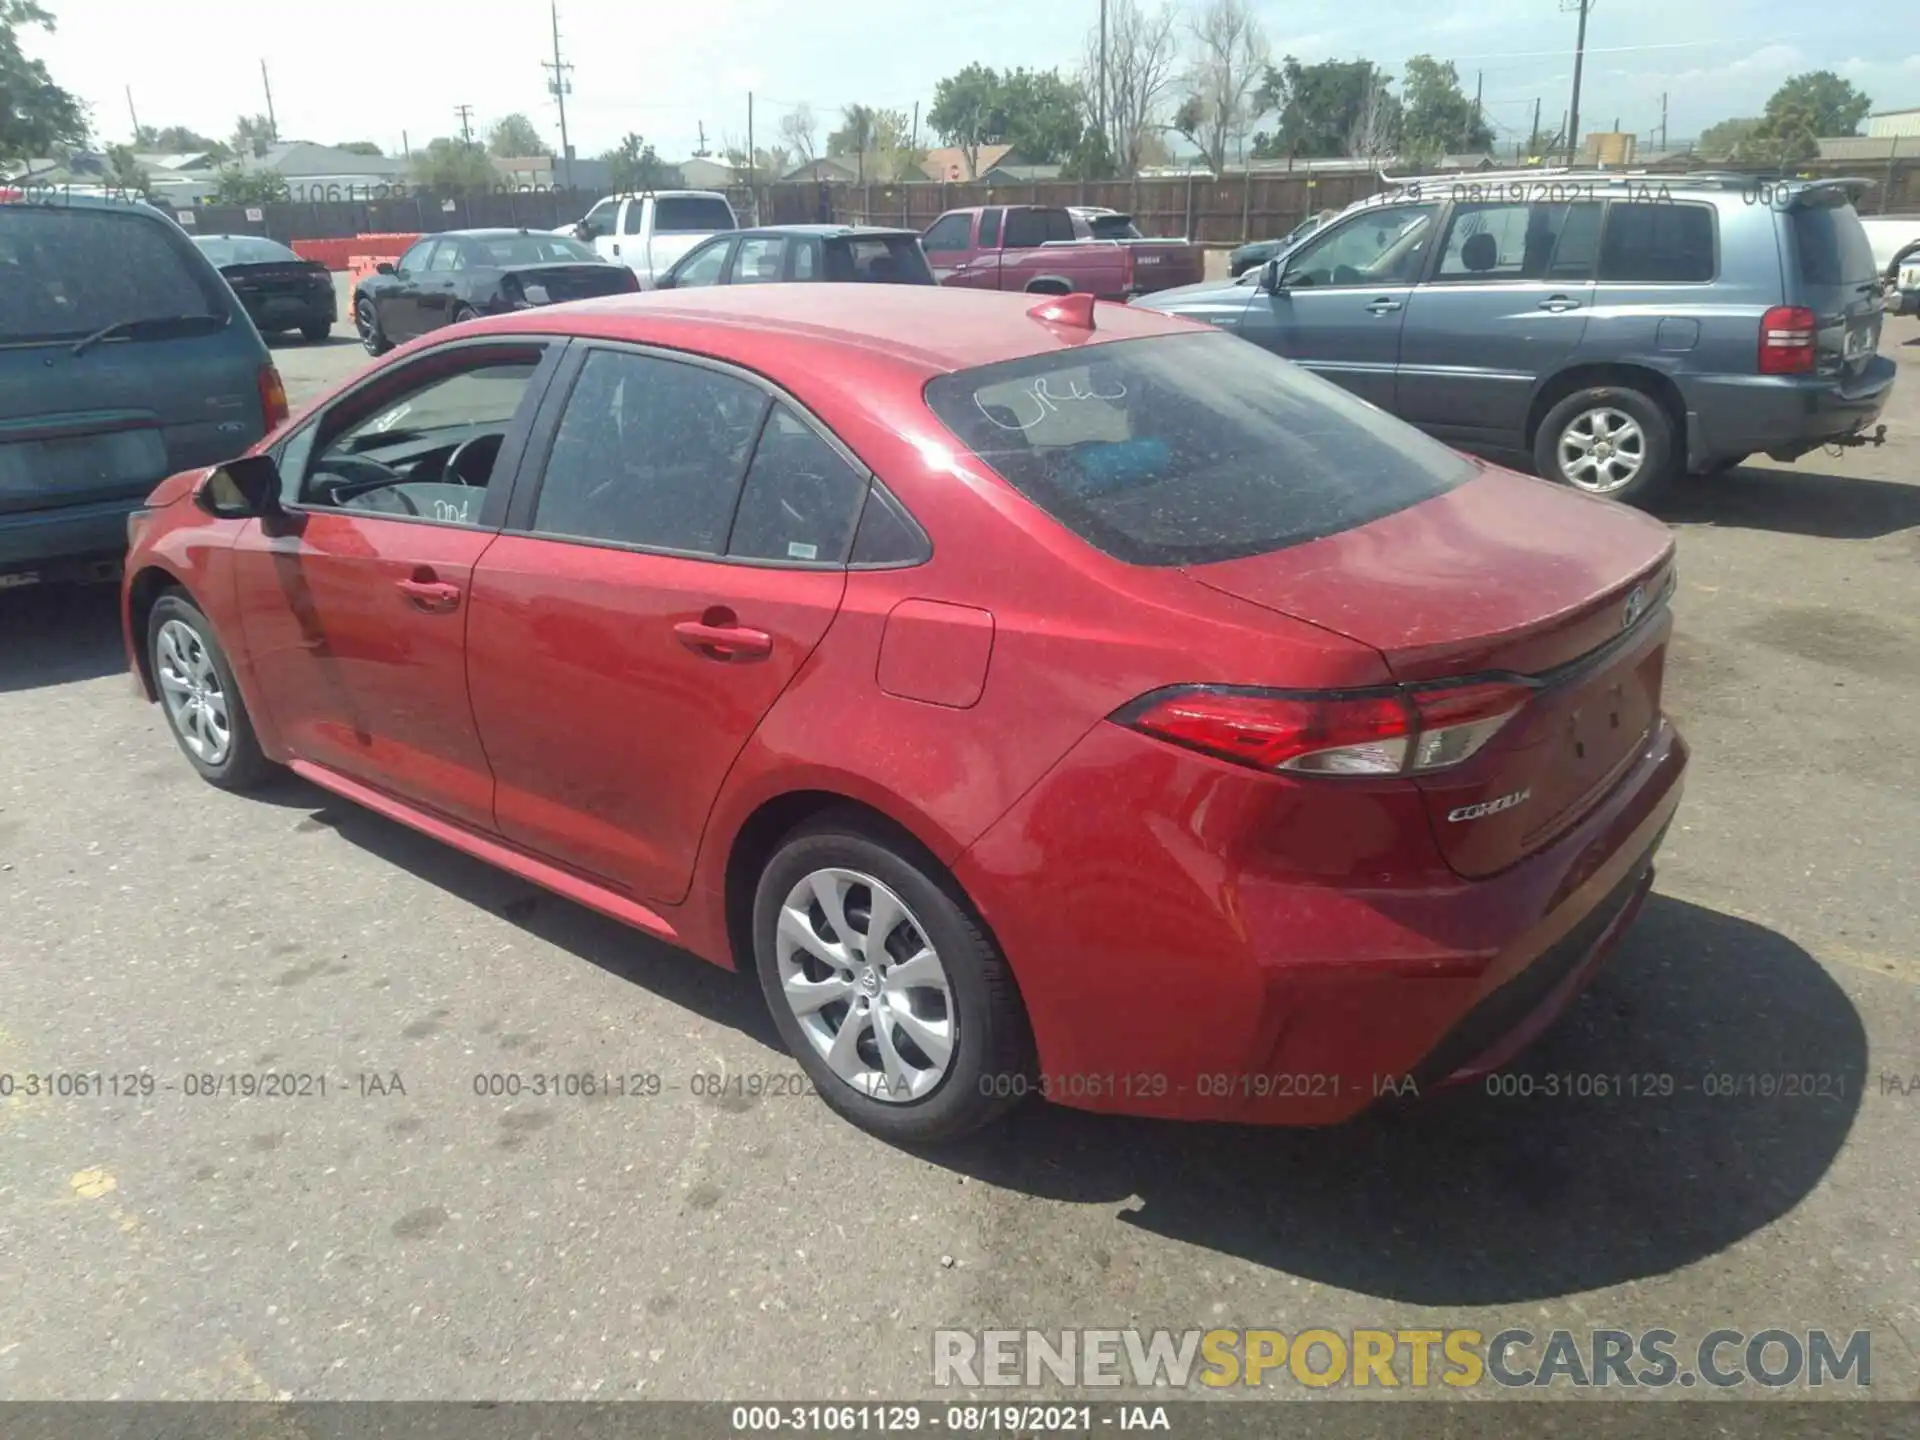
x=1383, y=306
x=724, y=642
x=433, y=596
x=1559, y=303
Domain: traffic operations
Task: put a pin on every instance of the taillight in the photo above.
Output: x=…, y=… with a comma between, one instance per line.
x=137, y=525
x=1372, y=732
x=630, y=282
x=1789, y=340
x=273, y=397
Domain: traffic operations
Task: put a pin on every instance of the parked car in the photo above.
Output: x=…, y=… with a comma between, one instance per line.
x=459, y=275
x=1892, y=239
x=279, y=290
x=123, y=358
x=1253, y=255
x=1037, y=248
x=647, y=233
x=1024, y=692
x=775, y=253
x=1637, y=330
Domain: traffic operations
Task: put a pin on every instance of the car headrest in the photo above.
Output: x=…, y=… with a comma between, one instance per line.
x=1481, y=252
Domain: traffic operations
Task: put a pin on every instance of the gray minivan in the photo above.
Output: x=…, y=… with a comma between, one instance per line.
x=124, y=357
x=1620, y=330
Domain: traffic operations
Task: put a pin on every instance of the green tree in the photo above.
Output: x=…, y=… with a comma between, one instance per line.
x=1821, y=98
x=448, y=164
x=1043, y=115
x=179, y=140
x=1092, y=159
x=1439, y=118
x=123, y=171
x=1788, y=133
x=36, y=115
x=879, y=142
x=1718, y=142
x=360, y=147
x=252, y=134
x=633, y=165
x=249, y=187
x=1321, y=105
x=513, y=137
x=970, y=110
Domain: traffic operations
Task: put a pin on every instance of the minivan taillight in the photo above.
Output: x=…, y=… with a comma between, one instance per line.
x=1368, y=732
x=1789, y=340
x=273, y=397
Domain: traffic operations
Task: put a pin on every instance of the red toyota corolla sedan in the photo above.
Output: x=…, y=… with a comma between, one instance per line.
x=1059, y=699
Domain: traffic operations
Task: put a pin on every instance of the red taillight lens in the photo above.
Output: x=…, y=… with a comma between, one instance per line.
x=273, y=397
x=1364, y=733
x=630, y=282
x=1789, y=340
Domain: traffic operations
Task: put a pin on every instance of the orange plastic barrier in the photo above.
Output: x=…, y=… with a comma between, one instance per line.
x=339, y=253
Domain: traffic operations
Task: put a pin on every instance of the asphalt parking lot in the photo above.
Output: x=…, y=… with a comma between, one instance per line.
x=405, y=1236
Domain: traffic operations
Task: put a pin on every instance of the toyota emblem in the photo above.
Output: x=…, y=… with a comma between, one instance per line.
x=1636, y=606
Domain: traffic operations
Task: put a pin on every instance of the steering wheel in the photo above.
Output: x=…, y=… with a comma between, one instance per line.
x=453, y=471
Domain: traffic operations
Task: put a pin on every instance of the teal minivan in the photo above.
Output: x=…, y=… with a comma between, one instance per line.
x=124, y=358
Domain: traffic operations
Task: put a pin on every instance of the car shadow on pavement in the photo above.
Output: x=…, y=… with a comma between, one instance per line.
x=293, y=341
x=56, y=634
x=1465, y=1199
x=1794, y=502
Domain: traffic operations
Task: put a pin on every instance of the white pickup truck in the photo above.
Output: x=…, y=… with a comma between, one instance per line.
x=648, y=232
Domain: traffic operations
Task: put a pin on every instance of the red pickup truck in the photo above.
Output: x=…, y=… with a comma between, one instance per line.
x=1037, y=248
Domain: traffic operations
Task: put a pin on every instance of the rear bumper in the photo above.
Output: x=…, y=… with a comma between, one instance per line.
x=318, y=310
x=1208, y=986
x=1784, y=416
x=47, y=539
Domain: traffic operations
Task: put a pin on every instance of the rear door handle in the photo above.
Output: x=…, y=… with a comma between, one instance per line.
x=724, y=642
x=1559, y=303
x=1383, y=306
x=434, y=596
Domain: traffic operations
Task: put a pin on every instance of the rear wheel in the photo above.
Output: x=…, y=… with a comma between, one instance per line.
x=1607, y=441
x=884, y=986
x=464, y=314
x=316, y=332
x=366, y=323
x=197, y=691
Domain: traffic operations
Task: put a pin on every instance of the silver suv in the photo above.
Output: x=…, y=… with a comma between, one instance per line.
x=1620, y=329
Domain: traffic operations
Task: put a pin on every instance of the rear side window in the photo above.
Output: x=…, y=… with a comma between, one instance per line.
x=882, y=259
x=1027, y=228
x=1113, y=227
x=649, y=452
x=1188, y=449
x=66, y=272
x=949, y=232
x=690, y=214
x=1831, y=247
x=1657, y=241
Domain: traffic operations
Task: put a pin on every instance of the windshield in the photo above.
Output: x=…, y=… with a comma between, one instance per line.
x=890, y=258
x=1187, y=449
x=68, y=272
x=532, y=249
x=691, y=215
x=224, y=250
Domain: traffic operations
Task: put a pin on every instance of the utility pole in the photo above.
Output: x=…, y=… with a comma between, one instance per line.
x=1534, y=138
x=405, y=148
x=753, y=165
x=1103, y=73
x=1478, y=77
x=914, y=143
x=273, y=125
x=1663, y=120
x=135, y=114
x=1579, y=60
x=465, y=112
x=560, y=87
x=703, y=152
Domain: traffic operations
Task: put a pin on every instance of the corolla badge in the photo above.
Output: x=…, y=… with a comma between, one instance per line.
x=1489, y=807
x=1636, y=607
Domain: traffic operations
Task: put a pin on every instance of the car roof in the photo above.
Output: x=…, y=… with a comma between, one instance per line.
x=491, y=232
x=835, y=230
x=924, y=329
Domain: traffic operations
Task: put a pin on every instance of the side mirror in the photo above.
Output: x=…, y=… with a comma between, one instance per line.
x=385, y=267
x=665, y=282
x=246, y=488
x=583, y=232
x=1270, y=278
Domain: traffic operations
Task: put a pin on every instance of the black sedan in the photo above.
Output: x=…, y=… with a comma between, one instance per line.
x=776, y=254
x=278, y=290
x=1261, y=251
x=460, y=274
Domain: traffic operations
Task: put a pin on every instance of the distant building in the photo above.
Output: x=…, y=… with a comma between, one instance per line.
x=1894, y=122
x=1008, y=174
x=707, y=174
x=837, y=169
x=950, y=163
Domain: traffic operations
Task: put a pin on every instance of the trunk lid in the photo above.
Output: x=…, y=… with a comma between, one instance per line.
x=1505, y=576
x=561, y=280
x=1831, y=270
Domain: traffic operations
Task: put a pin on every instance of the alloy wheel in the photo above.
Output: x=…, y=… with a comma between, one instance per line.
x=866, y=985
x=366, y=324
x=190, y=685
x=1602, y=450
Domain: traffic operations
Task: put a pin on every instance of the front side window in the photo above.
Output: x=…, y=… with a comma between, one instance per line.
x=1382, y=245
x=704, y=265
x=1657, y=241
x=649, y=452
x=415, y=259
x=419, y=451
x=1188, y=449
x=600, y=219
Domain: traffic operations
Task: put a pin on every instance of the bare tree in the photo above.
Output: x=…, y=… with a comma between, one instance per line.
x=797, y=129
x=1230, y=58
x=1139, y=72
x=1375, y=132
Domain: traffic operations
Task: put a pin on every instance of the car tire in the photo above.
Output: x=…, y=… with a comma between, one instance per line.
x=313, y=334
x=366, y=321
x=198, y=692
x=1630, y=431
x=1725, y=463
x=465, y=313
x=960, y=989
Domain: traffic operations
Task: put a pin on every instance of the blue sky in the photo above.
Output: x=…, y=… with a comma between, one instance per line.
x=371, y=69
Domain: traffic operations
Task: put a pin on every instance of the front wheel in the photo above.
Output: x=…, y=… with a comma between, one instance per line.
x=1607, y=441
x=884, y=986
x=366, y=322
x=464, y=314
x=202, y=703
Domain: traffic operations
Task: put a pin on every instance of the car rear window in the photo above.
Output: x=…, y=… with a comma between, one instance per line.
x=1187, y=449
x=889, y=258
x=1026, y=228
x=1113, y=227
x=690, y=215
x=532, y=249
x=1831, y=245
x=67, y=272
x=1657, y=240
x=246, y=250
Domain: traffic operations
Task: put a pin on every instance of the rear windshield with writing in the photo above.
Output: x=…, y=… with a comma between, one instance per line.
x=69, y=272
x=690, y=215
x=1187, y=449
x=1832, y=246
